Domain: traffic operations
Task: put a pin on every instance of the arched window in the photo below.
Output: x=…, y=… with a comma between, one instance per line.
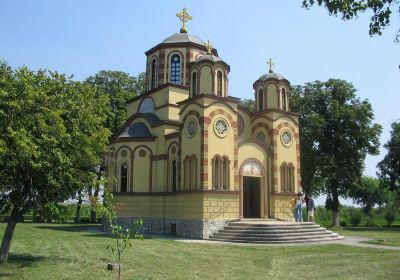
x=194, y=84
x=291, y=178
x=260, y=136
x=220, y=173
x=284, y=102
x=219, y=83
x=260, y=100
x=124, y=177
x=147, y=106
x=193, y=172
x=287, y=178
x=190, y=172
x=153, y=74
x=173, y=175
x=176, y=69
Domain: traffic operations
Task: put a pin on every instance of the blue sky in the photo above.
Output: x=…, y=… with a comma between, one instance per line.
x=83, y=37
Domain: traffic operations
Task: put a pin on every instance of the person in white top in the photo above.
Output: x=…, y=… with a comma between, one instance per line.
x=299, y=211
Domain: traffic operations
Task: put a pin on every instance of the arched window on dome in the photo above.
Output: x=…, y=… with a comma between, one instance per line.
x=153, y=73
x=260, y=100
x=176, y=69
x=147, y=106
x=284, y=101
x=219, y=83
x=194, y=84
x=123, y=177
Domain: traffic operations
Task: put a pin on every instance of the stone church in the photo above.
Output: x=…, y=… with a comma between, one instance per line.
x=190, y=158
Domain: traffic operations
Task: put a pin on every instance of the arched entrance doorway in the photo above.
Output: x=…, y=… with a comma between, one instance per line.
x=252, y=189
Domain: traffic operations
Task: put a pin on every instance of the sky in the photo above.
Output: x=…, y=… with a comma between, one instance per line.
x=80, y=38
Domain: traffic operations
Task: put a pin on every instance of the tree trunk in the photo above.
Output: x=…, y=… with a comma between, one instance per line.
x=78, y=208
x=335, y=206
x=5, y=244
x=93, y=214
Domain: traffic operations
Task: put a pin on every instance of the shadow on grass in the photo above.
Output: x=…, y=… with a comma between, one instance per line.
x=71, y=227
x=375, y=229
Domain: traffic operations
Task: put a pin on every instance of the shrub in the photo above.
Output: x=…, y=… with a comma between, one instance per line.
x=355, y=217
x=370, y=223
x=343, y=223
x=390, y=215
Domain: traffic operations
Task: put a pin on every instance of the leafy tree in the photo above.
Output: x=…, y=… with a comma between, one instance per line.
x=349, y=9
x=389, y=167
x=51, y=137
x=368, y=192
x=336, y=134
x=249, y=104
x=119, y=87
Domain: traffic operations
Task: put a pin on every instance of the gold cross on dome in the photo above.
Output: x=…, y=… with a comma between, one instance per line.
x=271, y=65
x=184, y=17
x=209, y=47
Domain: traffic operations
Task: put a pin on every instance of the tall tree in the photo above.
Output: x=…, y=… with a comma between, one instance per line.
x=348, y=9
x=389, y=167
x=51, y=136
x=119, y=87
x=336, y=134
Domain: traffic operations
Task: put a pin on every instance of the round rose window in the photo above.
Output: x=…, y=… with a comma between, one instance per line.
x=221, y=127
x=286, y=138
x=191, y=128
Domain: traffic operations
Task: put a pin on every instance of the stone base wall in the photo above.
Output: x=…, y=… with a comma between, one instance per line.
x=281, y=207
x=190, y=228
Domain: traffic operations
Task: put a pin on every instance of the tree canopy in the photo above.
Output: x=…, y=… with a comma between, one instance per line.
x=336, y=134
x=389, y=167
x=51, y=138
x=348, y=9
x=249, y=104
x=119, y=87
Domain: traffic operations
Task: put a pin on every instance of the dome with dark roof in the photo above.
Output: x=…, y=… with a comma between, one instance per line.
x=183, y=38
x=271, y=76
x=208, y=57
x=137, y=129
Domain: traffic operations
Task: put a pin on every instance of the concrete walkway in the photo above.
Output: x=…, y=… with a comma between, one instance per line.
x=350, y=241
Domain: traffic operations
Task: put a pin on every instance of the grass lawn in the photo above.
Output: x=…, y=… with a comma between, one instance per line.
x=49, y=251
x=379, y=235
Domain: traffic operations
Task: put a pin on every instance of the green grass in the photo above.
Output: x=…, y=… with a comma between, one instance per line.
x=49, y=251
x=379, y=235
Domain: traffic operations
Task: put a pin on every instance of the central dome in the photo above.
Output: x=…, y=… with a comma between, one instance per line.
x=183, y=38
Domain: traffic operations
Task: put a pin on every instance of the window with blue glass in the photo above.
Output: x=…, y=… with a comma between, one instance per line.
x=176, y=69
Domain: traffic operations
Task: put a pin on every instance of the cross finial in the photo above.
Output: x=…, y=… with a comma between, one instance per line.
x=271, y=65
x=184, y=17
x=209, y=47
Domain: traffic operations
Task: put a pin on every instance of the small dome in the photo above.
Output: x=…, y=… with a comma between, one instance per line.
x=208, y=57
x=183, y=38
x=136, y=130
x=271, y=76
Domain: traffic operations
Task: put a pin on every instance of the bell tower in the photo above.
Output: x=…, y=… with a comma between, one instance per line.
x=271, y=91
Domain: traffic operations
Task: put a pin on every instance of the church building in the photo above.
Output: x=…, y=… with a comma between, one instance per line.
x=190, y=158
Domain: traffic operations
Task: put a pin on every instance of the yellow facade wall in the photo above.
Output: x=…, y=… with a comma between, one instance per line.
x=223, y=146
x=272, y=96
x=179, y=206
x=281, y=208
x=205, y=80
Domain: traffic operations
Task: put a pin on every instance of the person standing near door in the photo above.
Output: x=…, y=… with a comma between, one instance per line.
x=299, y=205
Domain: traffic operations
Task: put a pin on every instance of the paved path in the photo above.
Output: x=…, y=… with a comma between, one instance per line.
x=350, y=240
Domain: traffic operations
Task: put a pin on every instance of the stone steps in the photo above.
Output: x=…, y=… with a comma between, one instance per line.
x=270, y=231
